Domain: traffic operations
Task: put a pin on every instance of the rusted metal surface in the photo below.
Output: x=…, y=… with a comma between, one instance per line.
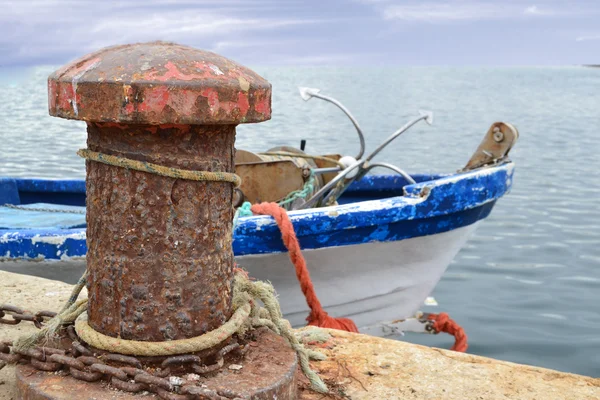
x=269, y=180
x=321, y=163
x=271, y=177
x=244, y=156
x=158, y=83
x=159, y=249
x=160, y=264
x=266, y=371
x=495, y=146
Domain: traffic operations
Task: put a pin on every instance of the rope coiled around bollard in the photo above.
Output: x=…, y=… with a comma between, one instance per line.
x=167, y=348
x=160, y=169
x=248, y=314
x=246, y=297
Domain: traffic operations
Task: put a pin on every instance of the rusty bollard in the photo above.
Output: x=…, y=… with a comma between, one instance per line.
x=160, y=261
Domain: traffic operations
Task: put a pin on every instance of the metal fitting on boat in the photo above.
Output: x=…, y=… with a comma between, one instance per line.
x=349, y=161
x=498, y=136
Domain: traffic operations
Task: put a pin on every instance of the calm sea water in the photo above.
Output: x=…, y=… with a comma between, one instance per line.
x=526, y=287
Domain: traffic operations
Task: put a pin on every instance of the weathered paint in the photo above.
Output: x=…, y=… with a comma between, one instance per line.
x=449, y=203
x=159, y=259
x=372, y=210
x=54, y=244
x=157, y=83
x=160, y=262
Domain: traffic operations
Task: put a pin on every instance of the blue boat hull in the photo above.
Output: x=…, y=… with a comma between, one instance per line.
x=374, y=257
x=376, y=209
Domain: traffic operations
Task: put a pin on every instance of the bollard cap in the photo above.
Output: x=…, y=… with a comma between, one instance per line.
x=158, y=83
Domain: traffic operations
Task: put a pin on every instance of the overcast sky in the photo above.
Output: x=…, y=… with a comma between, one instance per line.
x=312, y=32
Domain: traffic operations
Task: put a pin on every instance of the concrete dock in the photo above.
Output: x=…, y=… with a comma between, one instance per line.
x=358, y=366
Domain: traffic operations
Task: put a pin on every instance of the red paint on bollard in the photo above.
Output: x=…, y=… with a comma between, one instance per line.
x=159, y=248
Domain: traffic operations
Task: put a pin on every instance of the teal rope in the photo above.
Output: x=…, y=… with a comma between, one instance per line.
x=242, y=211
x=303, y=193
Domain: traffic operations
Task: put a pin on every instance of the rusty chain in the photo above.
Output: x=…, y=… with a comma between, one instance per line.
x=19, y=315
x=82, y=364
x=131, y=377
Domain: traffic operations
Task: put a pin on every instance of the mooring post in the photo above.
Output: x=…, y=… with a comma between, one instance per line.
x=160, y=263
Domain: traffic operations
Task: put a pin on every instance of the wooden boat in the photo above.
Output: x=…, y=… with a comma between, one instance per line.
x=373, y=256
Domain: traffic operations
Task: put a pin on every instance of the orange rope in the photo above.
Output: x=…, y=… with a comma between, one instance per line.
x=317, y=316
x=443, y=323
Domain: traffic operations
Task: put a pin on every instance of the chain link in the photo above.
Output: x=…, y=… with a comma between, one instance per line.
x=19, y=315
x=83, y=365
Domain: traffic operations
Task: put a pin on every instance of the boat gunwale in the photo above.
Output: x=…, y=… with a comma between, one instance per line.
x=398, y=208
x=448, y=194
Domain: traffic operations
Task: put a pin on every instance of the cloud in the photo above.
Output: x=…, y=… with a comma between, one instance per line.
x=453, y=11
x=271, y=44
x=546, y=12
x=54, y=31
x=293, y=32
x=587, y=38
x=532, y=10
x=317, y=59
x=435, y=12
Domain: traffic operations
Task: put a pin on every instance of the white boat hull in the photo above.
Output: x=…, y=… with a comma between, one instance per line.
x=370, y=283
